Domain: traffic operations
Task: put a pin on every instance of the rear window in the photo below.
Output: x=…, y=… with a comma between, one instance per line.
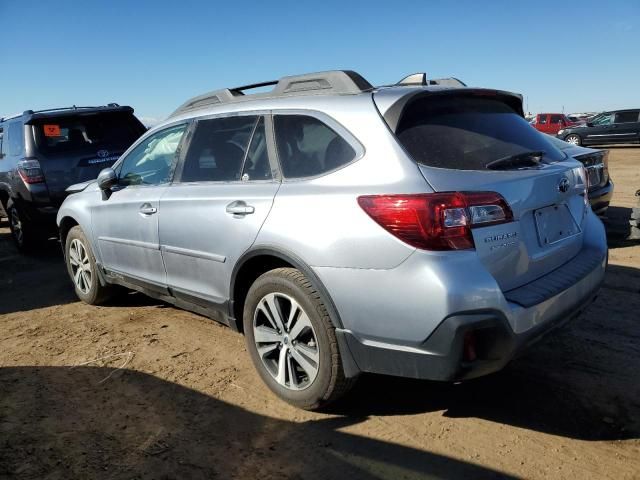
x=467, y=133
x=88, y=131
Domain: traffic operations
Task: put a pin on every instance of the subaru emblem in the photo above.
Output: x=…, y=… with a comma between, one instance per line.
x=563, y=185
x=103, y=153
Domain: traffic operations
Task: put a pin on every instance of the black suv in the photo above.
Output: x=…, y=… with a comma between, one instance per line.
x=618, y=126
x=44, y=152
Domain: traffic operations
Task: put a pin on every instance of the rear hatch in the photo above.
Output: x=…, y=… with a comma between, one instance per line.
x=74, y=147
x=476, y=140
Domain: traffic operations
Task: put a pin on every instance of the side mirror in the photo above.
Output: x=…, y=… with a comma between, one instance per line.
x=107, y=179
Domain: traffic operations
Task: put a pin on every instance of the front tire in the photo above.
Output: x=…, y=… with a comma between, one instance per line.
x=573, y=139
x=82, y=268
x=292, y=341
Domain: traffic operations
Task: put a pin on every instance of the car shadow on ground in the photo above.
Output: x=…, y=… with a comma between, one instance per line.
x=63, y=422
x=39, y=279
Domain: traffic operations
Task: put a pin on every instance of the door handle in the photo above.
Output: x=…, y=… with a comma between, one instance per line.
x=147, y=209
x=239, y=207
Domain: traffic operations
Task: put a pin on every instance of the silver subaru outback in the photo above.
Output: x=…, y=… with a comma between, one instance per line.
x=422, y=229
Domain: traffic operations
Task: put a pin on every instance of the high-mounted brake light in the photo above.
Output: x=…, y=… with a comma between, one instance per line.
x=30, y=171
x=437, y=221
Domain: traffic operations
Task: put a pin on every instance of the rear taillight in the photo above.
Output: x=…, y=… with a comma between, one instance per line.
x=30, y=171
x=605, y=167
x=437, y=221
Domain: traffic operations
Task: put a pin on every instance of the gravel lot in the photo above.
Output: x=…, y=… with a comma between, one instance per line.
x=138, y=389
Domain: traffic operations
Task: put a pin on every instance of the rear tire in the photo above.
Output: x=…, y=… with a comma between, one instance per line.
x=82, y=268
x=296, y=353
x=22, y=232
x=573, y=139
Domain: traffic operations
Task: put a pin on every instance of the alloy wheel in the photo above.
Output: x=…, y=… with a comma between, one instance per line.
x=573, y=140
x=286, y=341
x=80, y=266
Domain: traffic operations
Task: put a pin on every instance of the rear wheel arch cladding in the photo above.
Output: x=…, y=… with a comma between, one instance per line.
x=291, y=260
x=280, y=258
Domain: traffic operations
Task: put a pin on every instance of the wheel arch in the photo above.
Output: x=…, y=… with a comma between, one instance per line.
x=66, y=223
x=260, y=260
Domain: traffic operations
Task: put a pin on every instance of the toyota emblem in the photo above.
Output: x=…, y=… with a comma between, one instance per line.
x=563, y=185
x=103, y=153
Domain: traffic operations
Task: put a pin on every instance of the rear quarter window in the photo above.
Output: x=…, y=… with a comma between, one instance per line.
x=16, y=139
x=467, y=132
x=307, y=147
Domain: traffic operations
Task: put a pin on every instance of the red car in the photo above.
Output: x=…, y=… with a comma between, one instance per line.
x=551, y=123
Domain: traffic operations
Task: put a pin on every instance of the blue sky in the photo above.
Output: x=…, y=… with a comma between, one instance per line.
x=153, y=55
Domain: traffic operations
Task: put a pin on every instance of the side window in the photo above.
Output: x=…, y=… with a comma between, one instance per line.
x=151, y=162
x=555, y=119
x=217, y=149
x=15, y=139
x=626, y=117
x=307, y=147
x=542, y=119
x=256, y=165
x=604, y=119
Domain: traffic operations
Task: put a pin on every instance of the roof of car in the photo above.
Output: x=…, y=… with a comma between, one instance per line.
x=328, y=83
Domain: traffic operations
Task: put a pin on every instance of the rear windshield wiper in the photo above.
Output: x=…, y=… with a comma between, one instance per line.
x=520, y=160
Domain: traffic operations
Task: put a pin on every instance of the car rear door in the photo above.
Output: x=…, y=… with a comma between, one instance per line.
x=214, y=210
x=556, y=122
x=453, y=138
x=626, y=126
x=125, y=222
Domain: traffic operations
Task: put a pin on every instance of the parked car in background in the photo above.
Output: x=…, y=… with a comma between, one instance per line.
x=551, y=122
x=618, y=126
x=597, y=164
x=43, y=152
x=410, y=230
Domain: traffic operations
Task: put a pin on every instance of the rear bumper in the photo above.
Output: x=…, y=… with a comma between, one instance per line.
x=500, y=328
x=442, y=356
x=601, y=198
x=42, y=217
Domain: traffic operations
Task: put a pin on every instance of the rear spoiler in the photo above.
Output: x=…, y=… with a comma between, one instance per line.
x=80, y=111
x=394, y=113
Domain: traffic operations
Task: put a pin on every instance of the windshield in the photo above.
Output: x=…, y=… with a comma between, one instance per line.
x=468, y=133
x=116, y=130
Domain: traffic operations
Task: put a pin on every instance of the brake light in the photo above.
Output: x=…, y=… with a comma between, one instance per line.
x=30, y=171
x=437, y=221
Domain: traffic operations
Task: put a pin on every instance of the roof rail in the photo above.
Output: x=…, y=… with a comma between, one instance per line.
x=337, y=82
x=421, y=79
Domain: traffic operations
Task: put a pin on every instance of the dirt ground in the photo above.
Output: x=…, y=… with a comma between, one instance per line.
x=139, y=389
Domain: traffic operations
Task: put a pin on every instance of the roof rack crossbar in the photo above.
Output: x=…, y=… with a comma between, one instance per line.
x=253, y=85
x=321, y=83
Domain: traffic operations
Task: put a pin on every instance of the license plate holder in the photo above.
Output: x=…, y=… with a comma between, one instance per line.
x=554, y=224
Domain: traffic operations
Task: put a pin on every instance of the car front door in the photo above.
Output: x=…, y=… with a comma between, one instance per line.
x=626, y=126
x=214, y=210
x=599, y=130
x=542, y=124
x=125, y=221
